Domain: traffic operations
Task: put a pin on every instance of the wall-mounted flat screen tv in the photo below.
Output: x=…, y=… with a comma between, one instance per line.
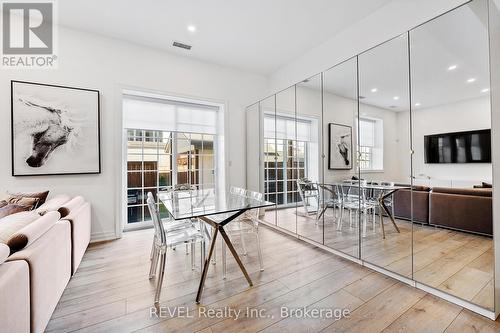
x=458, y=147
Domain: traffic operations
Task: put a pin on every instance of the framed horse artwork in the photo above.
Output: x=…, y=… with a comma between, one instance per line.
x=339, y=147
x=55, y=130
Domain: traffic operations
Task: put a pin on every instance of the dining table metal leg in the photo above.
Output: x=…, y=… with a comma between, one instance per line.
x=235, y=254
x=218, y=227
x=206, y=265
x=384, y=207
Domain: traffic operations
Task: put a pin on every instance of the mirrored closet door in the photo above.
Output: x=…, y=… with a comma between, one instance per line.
x=269, y=156
x=384, y=156
x=287, y=150
x=309, y=165
x=453, y=246
x=253, y=148
x=340, y=201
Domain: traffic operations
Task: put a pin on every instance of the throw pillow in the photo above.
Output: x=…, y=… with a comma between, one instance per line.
x=12, y=209
x=24, y=201
x=42, y=196
x=486, y=185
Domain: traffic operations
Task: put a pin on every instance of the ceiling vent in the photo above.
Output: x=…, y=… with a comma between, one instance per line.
x=182, y=45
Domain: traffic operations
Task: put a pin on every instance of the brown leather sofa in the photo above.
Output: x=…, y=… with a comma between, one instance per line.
x=402, y=203
x=464, y=209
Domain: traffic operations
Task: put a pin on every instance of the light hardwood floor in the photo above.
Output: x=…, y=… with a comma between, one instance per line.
x=458, y=263
x=111, y=293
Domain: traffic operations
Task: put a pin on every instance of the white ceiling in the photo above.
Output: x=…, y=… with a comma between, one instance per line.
x=253, y=35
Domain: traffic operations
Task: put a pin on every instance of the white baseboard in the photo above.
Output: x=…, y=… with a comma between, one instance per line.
x=102, y=236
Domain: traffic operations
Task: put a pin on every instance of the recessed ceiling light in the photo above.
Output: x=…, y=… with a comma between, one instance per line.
x=452, y=67
x=191, y=28
x=395, y=98
x=472, y=79
x=485, y=90
x=417, y=104
x=374, y=90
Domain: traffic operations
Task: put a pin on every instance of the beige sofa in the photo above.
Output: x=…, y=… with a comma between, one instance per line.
x=44, y=254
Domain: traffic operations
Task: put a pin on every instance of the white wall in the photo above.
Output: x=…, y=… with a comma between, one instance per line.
x=461, y=116
x=91, y=61
x=387, y=22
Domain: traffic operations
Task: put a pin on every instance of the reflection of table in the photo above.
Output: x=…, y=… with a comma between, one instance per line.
x=385, y=191
x=204, y=203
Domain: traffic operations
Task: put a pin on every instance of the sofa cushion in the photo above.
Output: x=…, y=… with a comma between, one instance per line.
x=403, y=206
x=53, y=204
x=71, y=205
x=10, y=209
x=41, y=196
x=472, y=213
x=482, y=192
x=31, y=232
x=12, y=223
x=4, y=252
x=15, y=296
x=49, y=260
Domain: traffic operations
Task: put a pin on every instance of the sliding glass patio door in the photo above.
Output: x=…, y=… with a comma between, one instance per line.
x=158, y=160
x=167, y=142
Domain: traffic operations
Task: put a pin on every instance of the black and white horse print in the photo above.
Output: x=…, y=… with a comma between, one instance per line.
x=55, y=130
x=49, y=129
x=344, y=149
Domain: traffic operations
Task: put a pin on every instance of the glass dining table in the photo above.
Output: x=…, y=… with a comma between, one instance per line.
x=384, y=192
x=217, y=209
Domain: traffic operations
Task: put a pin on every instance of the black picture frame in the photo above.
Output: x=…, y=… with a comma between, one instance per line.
x=12, y=120
x=331, y=128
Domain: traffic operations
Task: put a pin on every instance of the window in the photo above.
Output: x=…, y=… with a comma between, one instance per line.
x=167, y=143
x=151, y=166
x=371, y=152
x=285, y=157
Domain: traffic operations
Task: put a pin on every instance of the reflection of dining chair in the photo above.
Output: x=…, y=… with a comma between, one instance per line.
x=358, y=201
x=166, y=237
x=308, y=191
x=349, y=193
x=329, y=198
x=377, y=195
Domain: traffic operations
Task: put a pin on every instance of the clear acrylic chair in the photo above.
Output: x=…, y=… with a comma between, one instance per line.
x=165, y=238
x=247, y=223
